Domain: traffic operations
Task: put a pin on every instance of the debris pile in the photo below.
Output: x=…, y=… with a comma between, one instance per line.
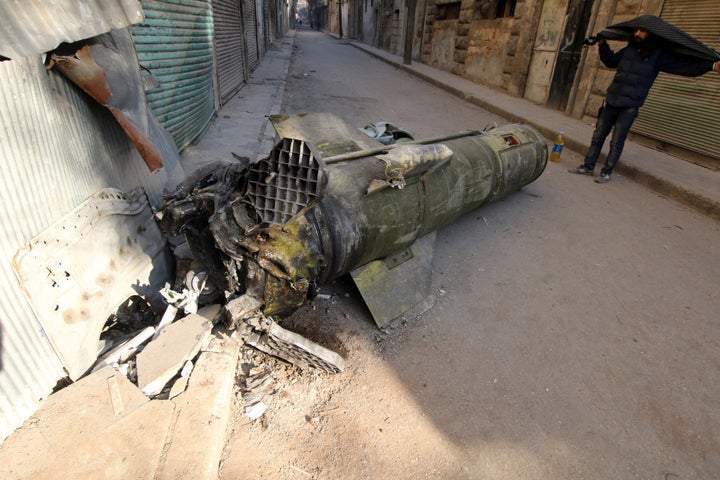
x=158, y=354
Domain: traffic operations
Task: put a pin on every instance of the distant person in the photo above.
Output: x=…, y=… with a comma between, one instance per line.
x=637, y=64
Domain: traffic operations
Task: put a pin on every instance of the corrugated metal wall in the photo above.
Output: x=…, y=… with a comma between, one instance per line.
x=685, y=111
x=268, y=20
x=229, y=47
x=57, y=147
x=60, y=21
x=175, y=43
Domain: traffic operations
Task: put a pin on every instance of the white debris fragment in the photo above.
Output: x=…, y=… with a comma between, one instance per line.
x=187, y=369
x=125, y=351
x=196, y=284
x=167, y=318
x=164, y=357
x=178, y=387
x=256, y=411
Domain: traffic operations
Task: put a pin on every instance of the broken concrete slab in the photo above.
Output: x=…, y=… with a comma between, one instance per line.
x=100, y=427
x=204, y=412
x=178, y=342
x=178, y=387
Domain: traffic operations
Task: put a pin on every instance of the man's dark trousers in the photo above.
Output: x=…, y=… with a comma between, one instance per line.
x=619, y=118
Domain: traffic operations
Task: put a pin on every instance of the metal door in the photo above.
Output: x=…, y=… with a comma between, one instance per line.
x=568, y=58
x=175, y=44
x=229, y=47
x=683, y=111
x=251, y=38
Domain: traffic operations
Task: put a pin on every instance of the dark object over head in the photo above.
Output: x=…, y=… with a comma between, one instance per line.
x=671, y=36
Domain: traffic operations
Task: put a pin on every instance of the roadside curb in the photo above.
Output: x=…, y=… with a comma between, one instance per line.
x=266, y=138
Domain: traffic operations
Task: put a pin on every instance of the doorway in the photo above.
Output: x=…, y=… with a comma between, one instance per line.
x=569, y=53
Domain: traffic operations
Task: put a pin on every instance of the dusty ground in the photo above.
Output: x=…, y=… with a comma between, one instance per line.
x=575, y=335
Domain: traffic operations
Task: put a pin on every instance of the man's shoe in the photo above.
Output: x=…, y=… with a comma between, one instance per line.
x=581, y=170
x=603, y=178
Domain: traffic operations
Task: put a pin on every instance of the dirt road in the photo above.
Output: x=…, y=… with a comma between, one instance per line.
x=576, y=333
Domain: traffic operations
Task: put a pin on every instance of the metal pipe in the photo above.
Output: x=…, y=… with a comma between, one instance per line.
x=385, y=149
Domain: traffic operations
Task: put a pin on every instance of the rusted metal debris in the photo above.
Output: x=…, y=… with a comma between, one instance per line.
x=270, y=234
x=128, y=107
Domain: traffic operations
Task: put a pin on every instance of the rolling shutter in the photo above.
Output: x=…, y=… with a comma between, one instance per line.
x=251, y=40
x=684, y=111
x=267, y=15
x=175, y=44
x=229, y=47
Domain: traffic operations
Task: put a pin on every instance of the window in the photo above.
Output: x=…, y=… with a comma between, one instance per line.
x=447, y=11
x=489, y=9
x=506, y=8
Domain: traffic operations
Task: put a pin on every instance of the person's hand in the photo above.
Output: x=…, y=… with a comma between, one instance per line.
x=716, y=67
x=593, y=40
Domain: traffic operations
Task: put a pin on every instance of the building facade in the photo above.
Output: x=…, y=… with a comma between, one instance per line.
x=534, y=49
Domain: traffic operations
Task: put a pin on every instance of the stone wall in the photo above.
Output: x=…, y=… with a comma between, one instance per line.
x=491, y=51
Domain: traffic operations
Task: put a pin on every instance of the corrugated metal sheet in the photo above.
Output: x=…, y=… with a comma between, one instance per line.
x=58, y=147
x=30, y=27
x=175, y=43
x=251, y=38
x=229, y=47
x=684, y=111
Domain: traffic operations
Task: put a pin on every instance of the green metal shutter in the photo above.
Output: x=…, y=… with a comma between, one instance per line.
x=175, y=44
x=229, y=47
x=684, y=111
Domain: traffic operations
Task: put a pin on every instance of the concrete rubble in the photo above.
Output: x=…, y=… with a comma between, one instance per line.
x=177, y=344
x=145, y=429
x=160, y=395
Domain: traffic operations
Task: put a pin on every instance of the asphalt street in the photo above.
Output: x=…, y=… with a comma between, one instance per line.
x=575, y=333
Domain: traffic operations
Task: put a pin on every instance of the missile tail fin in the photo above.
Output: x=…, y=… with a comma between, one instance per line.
x=398, y=286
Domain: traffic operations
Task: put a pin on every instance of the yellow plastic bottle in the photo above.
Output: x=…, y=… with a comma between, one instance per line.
x=557, y=148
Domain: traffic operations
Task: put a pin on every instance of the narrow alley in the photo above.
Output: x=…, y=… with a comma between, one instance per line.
x=574, y=333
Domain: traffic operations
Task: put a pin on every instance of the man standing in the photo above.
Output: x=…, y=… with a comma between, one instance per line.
x=637, y=64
